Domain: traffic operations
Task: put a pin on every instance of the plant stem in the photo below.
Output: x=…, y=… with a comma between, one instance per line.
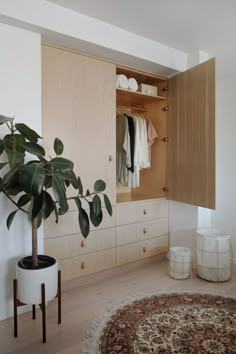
x=35, y=243
x=14, y=202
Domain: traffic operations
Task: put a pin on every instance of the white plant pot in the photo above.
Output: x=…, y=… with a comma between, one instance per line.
x=29, y=283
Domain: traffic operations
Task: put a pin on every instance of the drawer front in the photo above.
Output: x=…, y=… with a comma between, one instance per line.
x=141, y=231
x=73, y=245
x=140, y=250
x=86, y=264
x=128, y=213
x=68, y=224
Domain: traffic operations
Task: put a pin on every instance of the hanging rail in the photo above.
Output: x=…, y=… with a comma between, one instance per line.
x=136, y=108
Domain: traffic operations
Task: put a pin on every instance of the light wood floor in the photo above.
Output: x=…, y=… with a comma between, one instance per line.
x=84, y=297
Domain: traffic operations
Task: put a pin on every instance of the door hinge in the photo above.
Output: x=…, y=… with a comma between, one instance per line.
x=165, y=189
x=166, y=108
x=166, y=139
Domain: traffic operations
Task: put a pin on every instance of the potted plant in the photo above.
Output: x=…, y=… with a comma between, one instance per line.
x=37, y=188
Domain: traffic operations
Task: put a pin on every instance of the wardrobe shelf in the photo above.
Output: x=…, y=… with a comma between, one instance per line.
x=130, y=98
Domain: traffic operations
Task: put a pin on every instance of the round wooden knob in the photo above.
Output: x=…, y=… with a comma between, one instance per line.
x=145, y=211
x=144, y=249
x=82, y=244
x=82, y=265
x=144, y=230
x=110, y=157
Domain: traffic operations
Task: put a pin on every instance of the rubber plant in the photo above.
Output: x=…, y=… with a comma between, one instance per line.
x=37, y=187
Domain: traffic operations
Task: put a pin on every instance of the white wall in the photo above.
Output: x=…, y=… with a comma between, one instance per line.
x=224, y=217
x=20, y=95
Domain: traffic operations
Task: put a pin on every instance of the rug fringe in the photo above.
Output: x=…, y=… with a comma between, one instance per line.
x=92, y=337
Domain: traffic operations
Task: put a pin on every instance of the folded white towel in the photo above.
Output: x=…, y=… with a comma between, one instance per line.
x=122, y=82
x=133, y=85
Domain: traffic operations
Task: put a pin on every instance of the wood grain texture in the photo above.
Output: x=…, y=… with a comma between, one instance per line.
x=153, y=179
x=191, y=128
x=78, y=106
x=130, y=98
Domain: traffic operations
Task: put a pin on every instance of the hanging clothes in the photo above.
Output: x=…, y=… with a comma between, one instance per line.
x=133, y=155
x=151, y=137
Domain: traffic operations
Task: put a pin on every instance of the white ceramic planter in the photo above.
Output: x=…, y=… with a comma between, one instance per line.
x=29, y=283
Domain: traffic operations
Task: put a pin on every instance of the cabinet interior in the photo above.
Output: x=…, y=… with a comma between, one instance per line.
x=152, y=180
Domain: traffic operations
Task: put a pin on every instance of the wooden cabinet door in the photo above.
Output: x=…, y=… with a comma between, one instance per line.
x=78, y=96
x=191, y=131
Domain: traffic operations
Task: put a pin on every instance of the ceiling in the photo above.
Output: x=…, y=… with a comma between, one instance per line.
x=186, y=25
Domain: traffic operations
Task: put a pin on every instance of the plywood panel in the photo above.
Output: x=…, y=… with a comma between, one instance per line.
x=78, y=106
x=191, y=129
x=74, y=245
x=153, y=180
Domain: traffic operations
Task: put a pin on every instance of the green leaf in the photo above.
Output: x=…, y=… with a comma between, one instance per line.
x=58, y=146
x=4, y=119
x=10, y=218
x=99, y=186
x=12, y=175
x=80, y=186
x=62, y=164
x=32, y=178
x=84, y=222
x=60, y=195
x=1, y=183
x=27, y=132
x=78, y=203
x=23, y=200
x=1, y=146
x=97, y=205
x=37, y=204
x=68, y=176
x=107, y=204
x=13, y=145
x=39, y=219
x=3, y=164
x=96, y=220
x=34, y=149
x=48, y=181
x=48, y=205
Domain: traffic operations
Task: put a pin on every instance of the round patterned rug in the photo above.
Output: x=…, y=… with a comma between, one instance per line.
x=166, y=323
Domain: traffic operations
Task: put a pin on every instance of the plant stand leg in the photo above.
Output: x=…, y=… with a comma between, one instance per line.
x=15, y=306
x=59, y=297
x=43, y=308
x=33, y=312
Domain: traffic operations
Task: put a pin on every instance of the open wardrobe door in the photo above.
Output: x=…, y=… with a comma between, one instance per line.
x=191, y=132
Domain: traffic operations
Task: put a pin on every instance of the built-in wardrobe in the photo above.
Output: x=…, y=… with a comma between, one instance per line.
x=79, y=105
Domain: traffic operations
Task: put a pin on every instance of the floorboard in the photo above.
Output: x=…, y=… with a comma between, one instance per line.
x=85, y=297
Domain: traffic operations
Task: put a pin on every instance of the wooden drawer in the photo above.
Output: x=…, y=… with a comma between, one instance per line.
x=86, y=264
x=73, y=245
x=141, y=231
x=68, y=224
x=143, y=249
x=128, y=213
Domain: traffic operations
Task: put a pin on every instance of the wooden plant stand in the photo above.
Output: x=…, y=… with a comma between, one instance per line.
x=18, y=303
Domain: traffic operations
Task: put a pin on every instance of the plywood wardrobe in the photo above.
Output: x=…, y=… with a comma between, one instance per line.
x=79, y=100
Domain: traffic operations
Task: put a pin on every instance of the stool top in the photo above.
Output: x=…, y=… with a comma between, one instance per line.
x=181, y=250
x=213, y=234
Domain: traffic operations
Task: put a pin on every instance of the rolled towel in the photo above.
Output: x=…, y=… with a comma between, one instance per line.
x=122, y=82
x=133, y=85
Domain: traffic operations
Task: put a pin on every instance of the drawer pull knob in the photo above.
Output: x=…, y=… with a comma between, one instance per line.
x=82, y=244
x=145, y=211
x=110, y=158
x=144, y=249
x=144, y=230
x=82, y=265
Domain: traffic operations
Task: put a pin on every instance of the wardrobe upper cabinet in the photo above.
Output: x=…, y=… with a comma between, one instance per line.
x=191, y=131
x=78, y=96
